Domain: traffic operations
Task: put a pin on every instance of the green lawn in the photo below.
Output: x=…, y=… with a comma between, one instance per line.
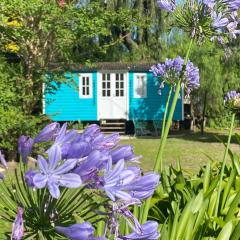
x=192, y=149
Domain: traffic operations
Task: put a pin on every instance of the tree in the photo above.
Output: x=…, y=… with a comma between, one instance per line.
x=39, y=32
x=44, y=31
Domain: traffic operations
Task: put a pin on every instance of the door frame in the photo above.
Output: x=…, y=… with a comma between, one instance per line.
x=99, y=77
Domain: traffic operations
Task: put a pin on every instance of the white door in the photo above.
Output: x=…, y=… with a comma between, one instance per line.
x=112, y=96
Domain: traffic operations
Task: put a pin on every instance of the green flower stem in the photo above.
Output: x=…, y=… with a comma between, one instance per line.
x=166, y=111
x=223, y=165
x=159, y=160
x=100, y=224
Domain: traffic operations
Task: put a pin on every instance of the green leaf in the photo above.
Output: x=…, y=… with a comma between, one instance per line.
x=226, y=232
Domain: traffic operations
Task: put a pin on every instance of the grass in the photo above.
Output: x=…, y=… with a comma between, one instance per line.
x=193, y=149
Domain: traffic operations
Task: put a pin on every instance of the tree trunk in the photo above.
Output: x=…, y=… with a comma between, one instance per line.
x=203, y=113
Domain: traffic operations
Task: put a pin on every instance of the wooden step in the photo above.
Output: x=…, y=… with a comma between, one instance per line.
x=113, y=126
x=109, y=127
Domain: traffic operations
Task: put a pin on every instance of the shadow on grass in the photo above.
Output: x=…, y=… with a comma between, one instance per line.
x=206, y=137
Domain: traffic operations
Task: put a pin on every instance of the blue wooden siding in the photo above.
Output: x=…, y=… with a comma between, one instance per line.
x=66, y=105
x=153, y=106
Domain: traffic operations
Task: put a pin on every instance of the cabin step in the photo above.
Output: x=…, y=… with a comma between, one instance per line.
x=113, y=126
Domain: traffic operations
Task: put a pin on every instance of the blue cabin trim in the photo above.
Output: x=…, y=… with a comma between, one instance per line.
x=69, y=103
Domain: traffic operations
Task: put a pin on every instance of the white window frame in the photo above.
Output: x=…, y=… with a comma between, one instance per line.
x=135, y=94
x=81, y=76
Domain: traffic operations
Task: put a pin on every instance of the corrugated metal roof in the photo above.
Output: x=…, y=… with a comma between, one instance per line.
x=102, y=66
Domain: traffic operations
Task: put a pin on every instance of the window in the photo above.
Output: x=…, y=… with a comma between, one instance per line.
x=119, y=85
x=106, y=85
x=85, y=86
x=140, y=85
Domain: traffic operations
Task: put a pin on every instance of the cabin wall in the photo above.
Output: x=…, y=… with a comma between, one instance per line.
x=153, y=106
x=66, y=105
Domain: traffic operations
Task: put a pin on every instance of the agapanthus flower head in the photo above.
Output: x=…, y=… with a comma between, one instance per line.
x=232, y=100
x=205, y=19
x=18, y=226
x=95, y=161
x=167, y=5
x=171, y=70
x=25, y=145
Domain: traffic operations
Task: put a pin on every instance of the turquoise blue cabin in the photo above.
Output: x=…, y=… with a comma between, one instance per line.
x=110, y=91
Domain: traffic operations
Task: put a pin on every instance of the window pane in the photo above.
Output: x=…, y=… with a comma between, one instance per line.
x=108, y=76
x=121, y=93
x=87, y=91
x=117, y=84
x=83, y=81
x=140, y=86
x=117, y=76
x=103, y=93
x=122, y=85
x=103, y=76
x=103, y=84
x=87, y=81
x=117, y=93
x=83, y=91
x=108, y=85
x=121, y=76
x=108, y=93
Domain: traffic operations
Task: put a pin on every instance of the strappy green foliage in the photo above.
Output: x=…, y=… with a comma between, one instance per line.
x=185, y=206
x=42, y=212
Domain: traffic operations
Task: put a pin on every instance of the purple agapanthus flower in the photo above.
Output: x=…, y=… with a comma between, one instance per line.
x=48, y=133
x=102, y=142
x=192, y=80
x=29, y=177
x=209, y=3
x=52, y=175
x=115, y=179
x=143, y=186
x=170, y=71
x=25, y=145
x=149, y=232
x=219, y=21
x=126, y=183
x=233, y=5
x=3, y=160
x=218, y=13
x=232, y=28
x=120, y=208
x=90, y=166
x=18, y=226
x=232, y=98
x=95, y=160
x=167, y=5
x=79, y=231
x=64, y=137
x=124, y=152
